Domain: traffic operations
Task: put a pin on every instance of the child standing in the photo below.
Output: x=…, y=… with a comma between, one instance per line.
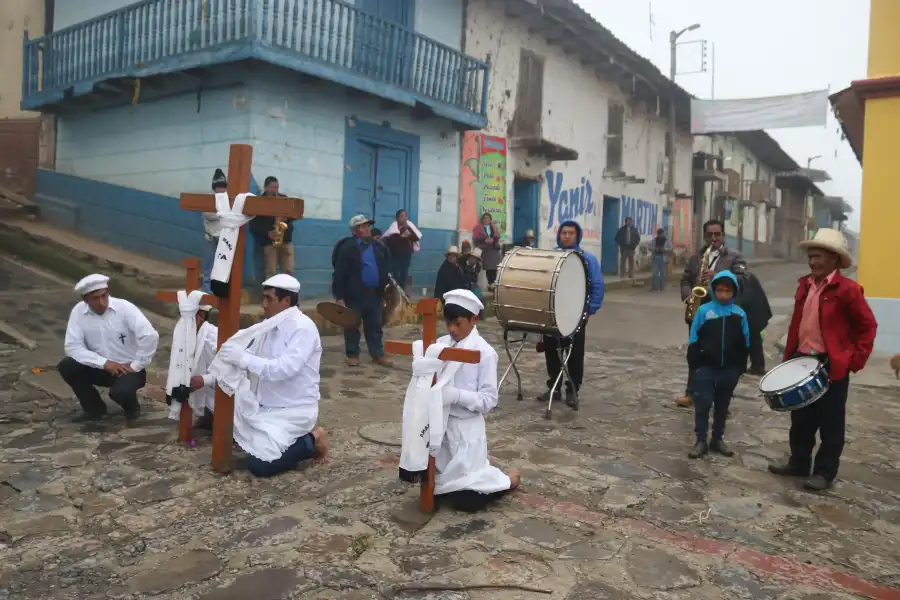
x=717, y=353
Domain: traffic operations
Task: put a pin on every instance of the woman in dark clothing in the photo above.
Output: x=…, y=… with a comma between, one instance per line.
x=451, y=275
x=486, y=236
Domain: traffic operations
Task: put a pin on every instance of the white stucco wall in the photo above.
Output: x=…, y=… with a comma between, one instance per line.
x=738, y=157
x=575, y=105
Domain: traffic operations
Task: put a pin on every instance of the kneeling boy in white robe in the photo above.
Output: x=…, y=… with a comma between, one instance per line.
x=465, y=478
x=272, y=370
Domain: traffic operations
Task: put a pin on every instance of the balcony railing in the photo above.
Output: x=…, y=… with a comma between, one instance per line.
x=328, y=33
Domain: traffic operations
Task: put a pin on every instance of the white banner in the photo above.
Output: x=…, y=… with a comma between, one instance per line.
x=752, y=114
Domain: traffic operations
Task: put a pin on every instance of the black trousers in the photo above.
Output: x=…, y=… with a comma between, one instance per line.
x=576, y=360
x=689, y=387
x=83, y=379
x=491, y=275
x=757, y=356
x=827, y=416
x=468, y=501
x=713, y=388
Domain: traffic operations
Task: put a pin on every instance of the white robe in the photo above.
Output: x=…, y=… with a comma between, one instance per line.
x=276, y=397
x=204, y=353
x=462, y=462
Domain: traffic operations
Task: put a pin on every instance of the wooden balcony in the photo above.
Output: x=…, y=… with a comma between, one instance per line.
x=731, y=186
x=762, y=193
x=708, y=168
x=328, y=39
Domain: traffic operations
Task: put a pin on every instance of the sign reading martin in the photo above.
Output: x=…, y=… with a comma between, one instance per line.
x=751, y=114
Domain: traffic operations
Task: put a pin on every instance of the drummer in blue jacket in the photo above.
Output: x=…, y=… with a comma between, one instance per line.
x=717, y=353
x=569, y=238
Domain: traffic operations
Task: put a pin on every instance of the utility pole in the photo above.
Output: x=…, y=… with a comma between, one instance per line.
x=673, y=66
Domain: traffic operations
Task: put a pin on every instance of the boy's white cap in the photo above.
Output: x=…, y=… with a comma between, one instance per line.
x=464, y=298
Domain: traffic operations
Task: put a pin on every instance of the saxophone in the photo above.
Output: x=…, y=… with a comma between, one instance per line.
x=698, y=292
x=278, y=230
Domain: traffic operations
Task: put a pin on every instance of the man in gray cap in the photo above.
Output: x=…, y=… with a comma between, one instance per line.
x=361, y=268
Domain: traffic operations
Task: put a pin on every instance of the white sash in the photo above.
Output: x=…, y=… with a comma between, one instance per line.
x=232, y=219
x=184, y=344
x=424, y=414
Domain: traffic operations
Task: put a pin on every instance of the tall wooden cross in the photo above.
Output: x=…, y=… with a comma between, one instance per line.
x=240, y=160
x=191, y=283
x=427, y=307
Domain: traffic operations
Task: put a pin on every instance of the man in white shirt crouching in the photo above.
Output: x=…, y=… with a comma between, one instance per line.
x=272, y=371
x=109, y=343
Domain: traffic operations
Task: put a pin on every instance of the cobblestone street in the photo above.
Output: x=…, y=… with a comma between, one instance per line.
x=610, y=506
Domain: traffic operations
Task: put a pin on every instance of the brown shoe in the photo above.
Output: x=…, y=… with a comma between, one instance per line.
x=383, y=361
x=352, y=361
x=685, y=402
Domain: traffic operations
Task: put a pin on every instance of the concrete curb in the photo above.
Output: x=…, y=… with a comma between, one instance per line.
x=16, y=336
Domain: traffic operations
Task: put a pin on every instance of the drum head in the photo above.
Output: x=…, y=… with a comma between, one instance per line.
x=788, y=374
x=571, y=294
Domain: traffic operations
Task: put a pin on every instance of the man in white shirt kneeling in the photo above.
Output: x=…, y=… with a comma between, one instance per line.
x=109, y=343
x=272, y=370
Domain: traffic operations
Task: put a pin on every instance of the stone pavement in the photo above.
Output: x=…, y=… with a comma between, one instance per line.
x=610, y=507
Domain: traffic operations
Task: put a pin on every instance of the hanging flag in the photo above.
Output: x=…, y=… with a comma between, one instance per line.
x=752, y=114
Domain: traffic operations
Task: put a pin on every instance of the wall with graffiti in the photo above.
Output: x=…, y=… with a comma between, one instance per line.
x=483, y=185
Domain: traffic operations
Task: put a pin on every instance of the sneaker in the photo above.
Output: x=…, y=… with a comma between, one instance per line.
x=700, y=449
x=545, y=397
x=817, y=483
x=788, y=470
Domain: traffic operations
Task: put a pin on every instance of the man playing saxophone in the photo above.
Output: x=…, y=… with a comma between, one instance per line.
x=712, y=258
x=274, y=236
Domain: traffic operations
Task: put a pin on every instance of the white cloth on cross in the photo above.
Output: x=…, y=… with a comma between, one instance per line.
x=231, y=218
x=263, y=431
x=202, y=399
x=184, y=343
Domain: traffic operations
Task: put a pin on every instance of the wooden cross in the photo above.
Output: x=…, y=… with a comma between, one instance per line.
x=427, y=307
x=240, y=160
x=191, y=283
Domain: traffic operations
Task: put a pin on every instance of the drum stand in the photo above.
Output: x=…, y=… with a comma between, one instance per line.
x=512, y=360
x=563, y=354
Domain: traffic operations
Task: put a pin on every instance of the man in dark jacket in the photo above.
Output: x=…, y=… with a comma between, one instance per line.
x=263, y=230
x=361, y=268
x=627, y=239
x=752, y=298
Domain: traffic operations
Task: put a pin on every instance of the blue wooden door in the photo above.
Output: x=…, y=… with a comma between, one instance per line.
x=382, y=51
x=363, y=169
x=609, y=254
x=391, y=176
x=526, y=205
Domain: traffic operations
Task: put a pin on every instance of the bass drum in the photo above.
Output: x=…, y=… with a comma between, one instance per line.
x=542, y=291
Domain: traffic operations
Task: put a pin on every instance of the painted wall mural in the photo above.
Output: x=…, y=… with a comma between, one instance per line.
x=483, y=181
x=644, y=215
x=568, y=203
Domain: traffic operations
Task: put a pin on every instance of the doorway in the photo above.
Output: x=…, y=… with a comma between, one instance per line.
x=381, y=173
x=609, y=251
x=526, y=207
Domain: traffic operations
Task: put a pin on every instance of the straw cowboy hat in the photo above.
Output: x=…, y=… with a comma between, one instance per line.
x=451, y=250
x=831, y=240
x=476, y=253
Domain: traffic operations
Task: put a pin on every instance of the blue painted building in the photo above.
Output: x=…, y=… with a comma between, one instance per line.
x=354, y=107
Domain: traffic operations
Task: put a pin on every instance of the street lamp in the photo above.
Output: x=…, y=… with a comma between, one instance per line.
x=670, y=195
x=812, y=158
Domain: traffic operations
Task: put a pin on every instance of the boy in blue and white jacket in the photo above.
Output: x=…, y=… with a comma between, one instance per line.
x=717, y=354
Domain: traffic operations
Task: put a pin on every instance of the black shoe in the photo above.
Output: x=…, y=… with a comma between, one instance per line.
x=132, y=414
x=571, y=399
x=545, y=397
x=788, y=470
x=700, y=449
x=89, y=417
x=760, y=371
x=719, y=447
x=817, y=483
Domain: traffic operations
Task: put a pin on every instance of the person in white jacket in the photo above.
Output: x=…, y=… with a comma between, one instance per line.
x=109, y=343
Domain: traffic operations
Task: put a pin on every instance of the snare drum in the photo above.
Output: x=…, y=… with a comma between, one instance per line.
x=542, y=291
x=794, y=384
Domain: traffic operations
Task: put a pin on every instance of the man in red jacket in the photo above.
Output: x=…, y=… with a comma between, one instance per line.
x=831, y=321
